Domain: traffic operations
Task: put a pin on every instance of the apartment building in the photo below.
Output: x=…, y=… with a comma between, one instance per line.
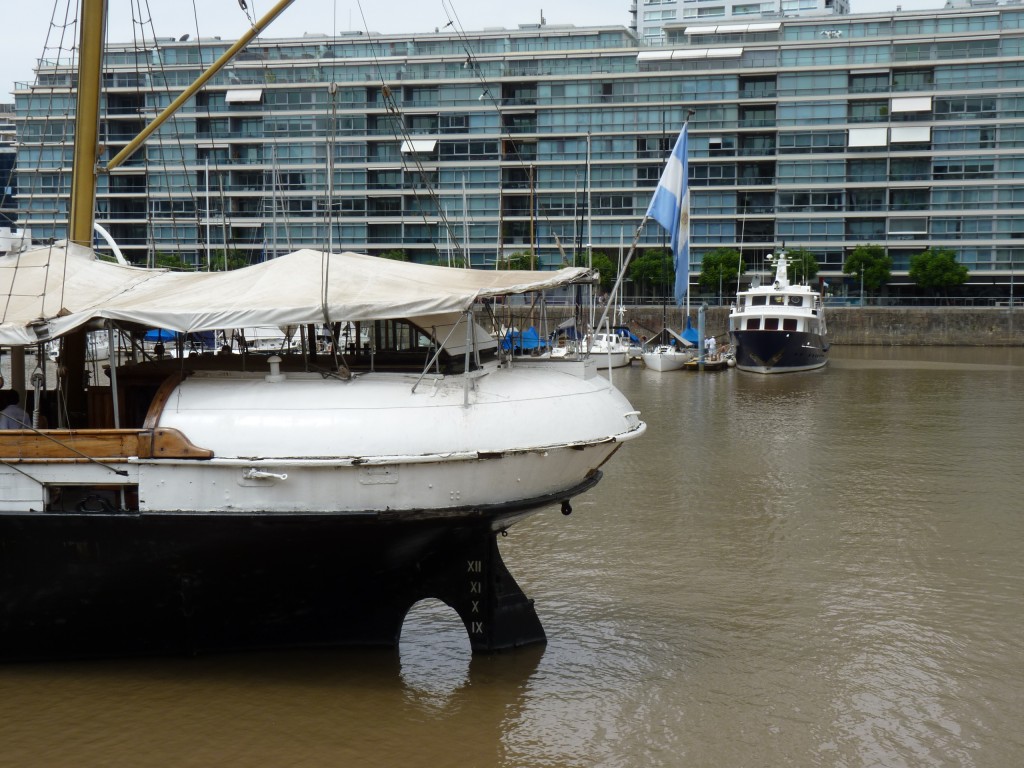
x=653, y=16
x=901, y=129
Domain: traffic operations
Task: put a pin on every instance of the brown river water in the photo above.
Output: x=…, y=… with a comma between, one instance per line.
x=813, y=569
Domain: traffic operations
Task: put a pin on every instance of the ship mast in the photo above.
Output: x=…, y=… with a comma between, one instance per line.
x=87, y=120
x=83, y=178
x=92, y=26
x=85, y=167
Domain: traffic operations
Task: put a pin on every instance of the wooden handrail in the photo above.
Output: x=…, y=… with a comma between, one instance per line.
x=163, y=394
x=99, y=444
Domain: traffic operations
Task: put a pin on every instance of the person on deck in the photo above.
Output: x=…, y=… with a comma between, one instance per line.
x=13, y=415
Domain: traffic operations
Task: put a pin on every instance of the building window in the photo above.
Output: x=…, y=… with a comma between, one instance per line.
x=869, y=111
x=870, y=83
x=810, y=201
x=965, y=108
x=812, y=142
x=913, y=80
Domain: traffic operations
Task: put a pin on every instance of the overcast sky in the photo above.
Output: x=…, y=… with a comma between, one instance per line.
x=28, y=27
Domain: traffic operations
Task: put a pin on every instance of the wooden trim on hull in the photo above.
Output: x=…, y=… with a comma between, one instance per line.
x=28, y=445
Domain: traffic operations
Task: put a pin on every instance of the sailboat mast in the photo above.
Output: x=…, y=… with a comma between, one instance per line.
x=87, y=120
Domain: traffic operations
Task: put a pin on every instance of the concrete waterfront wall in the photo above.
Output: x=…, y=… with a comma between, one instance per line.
x=927, y=326
x=885, y=326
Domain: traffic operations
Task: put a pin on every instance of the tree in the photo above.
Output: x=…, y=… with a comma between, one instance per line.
x=653, y=268
x=607, y=270
x=172, y=261
x=937, y=270
x=803, y=266
x=395, y=255
x=233, y=260
x=871, y=265
x=519, y=260
x=720, y=268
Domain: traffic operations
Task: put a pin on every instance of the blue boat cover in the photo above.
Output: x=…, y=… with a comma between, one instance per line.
x=522, y=340
x=690, y=333
x=624, y=332
x=159, y=334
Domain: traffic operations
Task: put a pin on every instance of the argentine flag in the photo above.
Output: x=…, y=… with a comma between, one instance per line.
x=670, y=207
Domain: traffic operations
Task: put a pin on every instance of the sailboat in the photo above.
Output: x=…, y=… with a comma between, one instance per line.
x=665, y=357
x=609, y=349
x=237, y=501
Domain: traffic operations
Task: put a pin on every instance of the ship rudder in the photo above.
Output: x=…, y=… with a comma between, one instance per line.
x=472, y=578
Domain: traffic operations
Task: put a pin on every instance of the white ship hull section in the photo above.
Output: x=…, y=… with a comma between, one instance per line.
x=372, y=444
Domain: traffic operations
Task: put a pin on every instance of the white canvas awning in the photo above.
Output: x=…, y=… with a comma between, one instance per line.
x=653, y=56
x=418, y=146
x=912, y=104
x=727, y=29
x=724, y=53
x=707, y=53
x=868, y=137
x=244, y=96
x=49, y=291
x=911, y=133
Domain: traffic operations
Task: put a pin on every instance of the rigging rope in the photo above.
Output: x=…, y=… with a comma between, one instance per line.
x=401, y=132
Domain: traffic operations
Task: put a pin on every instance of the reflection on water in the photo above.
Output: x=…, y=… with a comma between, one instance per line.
x=810, y=569
x=434, y=654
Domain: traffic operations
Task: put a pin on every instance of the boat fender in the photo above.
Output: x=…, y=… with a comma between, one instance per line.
x=566, y=507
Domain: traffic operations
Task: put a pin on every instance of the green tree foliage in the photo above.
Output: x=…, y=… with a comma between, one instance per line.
x=870, y=263
x=720, y=268
x=234, y=260
x=395, y=255
x=937, y=270
x=653, y=269
x=803, y=266
x=517, y=260
x=173, y=261
x=604, y=266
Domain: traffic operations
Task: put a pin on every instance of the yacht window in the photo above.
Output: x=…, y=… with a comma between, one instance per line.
x=758, y=301
x=796, y=301
x=753, y=323
x=778, y=300
x=400, y=336
x=771, y=323
x=789, y=324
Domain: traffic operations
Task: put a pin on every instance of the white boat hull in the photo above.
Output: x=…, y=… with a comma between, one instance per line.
x=608, y=360
x=665, y=361
x=515, y=433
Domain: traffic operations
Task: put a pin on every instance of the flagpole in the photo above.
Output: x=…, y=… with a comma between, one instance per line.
x=639, y=230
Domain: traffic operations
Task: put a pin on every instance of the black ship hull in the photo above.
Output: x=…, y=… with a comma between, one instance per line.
x=82, y=585
x=779, y=351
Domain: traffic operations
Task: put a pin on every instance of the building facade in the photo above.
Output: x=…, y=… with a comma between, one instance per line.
x=653, y=16
x=903, y=129
x=8, y=156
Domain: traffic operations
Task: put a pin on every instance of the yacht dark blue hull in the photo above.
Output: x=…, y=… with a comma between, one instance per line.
x=778, y=351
